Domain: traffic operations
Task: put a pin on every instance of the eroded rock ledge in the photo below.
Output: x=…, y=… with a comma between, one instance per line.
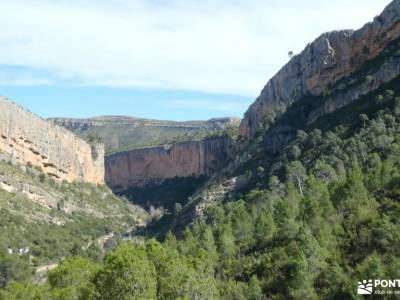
x=61, y=154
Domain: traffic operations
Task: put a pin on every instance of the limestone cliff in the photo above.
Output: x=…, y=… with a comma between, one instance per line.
x=325, y=62
x=61, y=154
x=186, y=159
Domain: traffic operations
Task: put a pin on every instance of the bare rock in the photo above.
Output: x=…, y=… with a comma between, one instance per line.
x=58, y=152
x=153, y=165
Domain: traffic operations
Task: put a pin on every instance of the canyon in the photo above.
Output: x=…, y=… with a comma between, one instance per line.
x=297, y=201
x=62, y=155
x=333, y=71
x=179, y=153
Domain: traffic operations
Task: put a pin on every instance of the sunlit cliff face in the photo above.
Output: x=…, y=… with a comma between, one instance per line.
x=58, y=152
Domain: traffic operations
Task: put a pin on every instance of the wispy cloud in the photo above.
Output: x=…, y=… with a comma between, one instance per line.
x=215, y=46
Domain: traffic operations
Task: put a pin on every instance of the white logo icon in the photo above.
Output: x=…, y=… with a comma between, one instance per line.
x=365, y=287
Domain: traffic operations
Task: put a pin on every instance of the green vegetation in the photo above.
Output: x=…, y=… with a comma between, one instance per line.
x=229, y=131
x=58, y=221
x=171, y=191
x=167, y=198
x=318, y=216
x=321, y=216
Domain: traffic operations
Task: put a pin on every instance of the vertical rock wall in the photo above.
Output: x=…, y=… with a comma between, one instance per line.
x=141, y=167
x=61, y=154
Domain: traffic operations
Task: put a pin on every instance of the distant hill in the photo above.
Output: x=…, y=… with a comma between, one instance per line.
x=120, y=133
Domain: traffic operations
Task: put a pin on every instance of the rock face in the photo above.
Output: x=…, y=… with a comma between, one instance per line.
x=142, y=167
x=322, y=64
x=61, y=154
x=33, y=193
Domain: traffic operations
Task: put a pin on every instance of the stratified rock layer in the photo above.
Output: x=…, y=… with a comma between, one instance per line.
x=62, y=155
x=330, y=58
x=141, y=167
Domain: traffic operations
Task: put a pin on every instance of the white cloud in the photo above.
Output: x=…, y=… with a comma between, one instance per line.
x=216, y=46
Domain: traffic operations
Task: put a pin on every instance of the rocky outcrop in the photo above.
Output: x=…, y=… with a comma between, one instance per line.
x=32, y=192
x=57, y=151
x=322, y=64
x=143, y=167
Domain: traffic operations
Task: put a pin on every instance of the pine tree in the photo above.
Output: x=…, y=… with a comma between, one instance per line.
x=254, y=290
x=127, y=274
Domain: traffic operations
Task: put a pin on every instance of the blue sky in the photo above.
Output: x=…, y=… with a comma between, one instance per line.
x=164, y=59
x=56, y=101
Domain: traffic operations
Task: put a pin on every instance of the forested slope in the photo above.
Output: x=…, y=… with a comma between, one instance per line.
x=321, y=218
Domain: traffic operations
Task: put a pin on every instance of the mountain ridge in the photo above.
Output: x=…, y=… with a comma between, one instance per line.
x=325, y=61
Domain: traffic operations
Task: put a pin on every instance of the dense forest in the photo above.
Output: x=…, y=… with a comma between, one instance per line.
x=321, y=217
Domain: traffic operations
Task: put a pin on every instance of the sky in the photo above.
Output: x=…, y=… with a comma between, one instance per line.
x=160, y=59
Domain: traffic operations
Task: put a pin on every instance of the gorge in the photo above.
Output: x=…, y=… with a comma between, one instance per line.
x=298, y=200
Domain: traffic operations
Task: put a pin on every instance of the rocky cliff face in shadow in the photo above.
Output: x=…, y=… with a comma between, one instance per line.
x=141, y=167
x=323, y=63
x=61, y=154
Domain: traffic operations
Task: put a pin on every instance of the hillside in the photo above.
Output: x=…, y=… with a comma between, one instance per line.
x=127, y=133
x=279, y=115
x=53, y=201
x=304, y=206
x=55, y=220
x=322, y=216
